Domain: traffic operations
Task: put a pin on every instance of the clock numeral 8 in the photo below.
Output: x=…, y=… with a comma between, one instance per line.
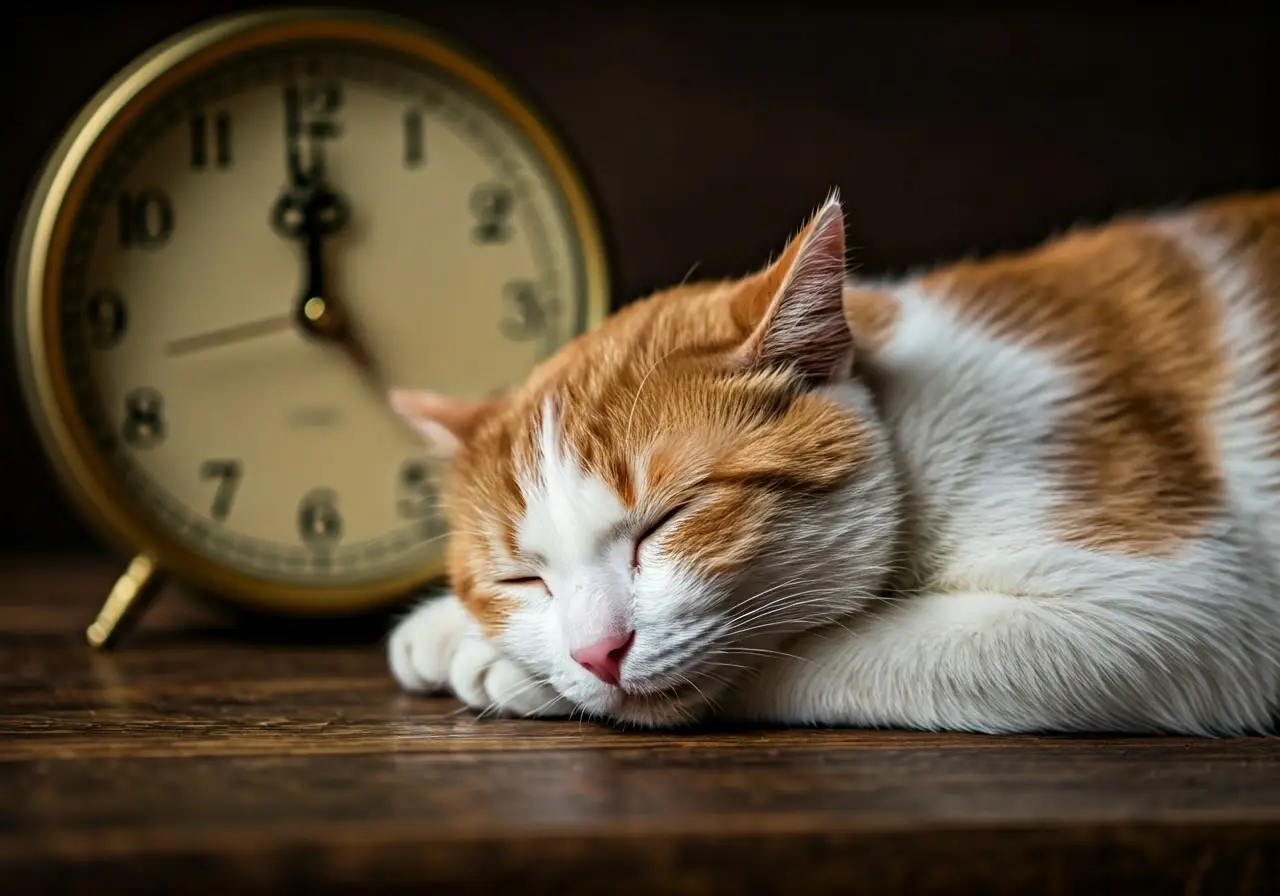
x=144, y=219
x=492, y=205
x=107, y=317
x=417, y=494
x=319, y=522
x=144, y=425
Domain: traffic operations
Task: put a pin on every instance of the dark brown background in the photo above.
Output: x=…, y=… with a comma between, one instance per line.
x=710, y=130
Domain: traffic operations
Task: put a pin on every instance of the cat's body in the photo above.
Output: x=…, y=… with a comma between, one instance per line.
x=1047, y=498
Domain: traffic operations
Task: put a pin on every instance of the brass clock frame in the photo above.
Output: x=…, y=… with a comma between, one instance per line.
x=51, y=208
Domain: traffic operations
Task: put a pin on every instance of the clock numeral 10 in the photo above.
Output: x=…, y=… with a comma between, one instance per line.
x=228, y=474
x=144, y=219
x=200, y=141
x=144, y=424
x=319, y=522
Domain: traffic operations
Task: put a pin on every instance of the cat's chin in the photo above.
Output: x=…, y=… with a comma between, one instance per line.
x=669, y=708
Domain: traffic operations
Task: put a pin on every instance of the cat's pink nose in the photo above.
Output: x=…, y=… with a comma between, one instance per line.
x=603, y=659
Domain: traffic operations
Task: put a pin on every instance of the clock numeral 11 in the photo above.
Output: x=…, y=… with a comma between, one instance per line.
x=200, y=140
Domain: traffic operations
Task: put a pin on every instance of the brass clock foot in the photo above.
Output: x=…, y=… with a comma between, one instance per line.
x=128, y=599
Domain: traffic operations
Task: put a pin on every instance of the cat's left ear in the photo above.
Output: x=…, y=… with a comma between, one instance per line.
x=803, y=324
x=447, y=423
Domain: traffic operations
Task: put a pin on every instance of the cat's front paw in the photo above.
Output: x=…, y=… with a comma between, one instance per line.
x=438, y=647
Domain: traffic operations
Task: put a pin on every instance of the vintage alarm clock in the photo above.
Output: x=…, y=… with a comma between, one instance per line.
x=239, y=245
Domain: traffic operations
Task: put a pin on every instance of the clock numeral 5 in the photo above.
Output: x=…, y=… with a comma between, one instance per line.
x=492, y=205
x=144, y=424
x=144, y=219
x=228, y=474
x=417, y=494
x=200, y=140
x=531, y=314
x=106, y=317
x=319, y=522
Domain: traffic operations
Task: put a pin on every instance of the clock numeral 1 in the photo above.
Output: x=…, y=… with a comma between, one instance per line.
x=417, y=494
x=492, y=205
x=228, y=473
x=200, y=140
x=415, y=150
x=144, y=425
x=144, y=219
x=531, y=315
x=319, y=522
x=106, y=317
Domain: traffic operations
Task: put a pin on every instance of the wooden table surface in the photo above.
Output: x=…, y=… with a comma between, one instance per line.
x=204, y=756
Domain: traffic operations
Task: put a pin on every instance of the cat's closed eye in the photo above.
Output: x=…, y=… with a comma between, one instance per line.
x=653, y=530
x=525, y=582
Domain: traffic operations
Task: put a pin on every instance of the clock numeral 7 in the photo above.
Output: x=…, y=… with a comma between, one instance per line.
x=200, y=140
x=228, y=473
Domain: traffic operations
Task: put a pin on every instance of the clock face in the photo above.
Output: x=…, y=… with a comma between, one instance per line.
x=253, y=443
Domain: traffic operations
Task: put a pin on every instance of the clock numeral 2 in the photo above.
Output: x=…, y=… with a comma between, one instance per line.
x=144, y=219
x=319, y=522
x=492, y=205
x=415, y=149
x=228, y=474
x=107, y=317
x=200, y=140
x=144, y=425
x=417, y=494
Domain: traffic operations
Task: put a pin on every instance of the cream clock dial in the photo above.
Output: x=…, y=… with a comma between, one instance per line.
x=293, y=215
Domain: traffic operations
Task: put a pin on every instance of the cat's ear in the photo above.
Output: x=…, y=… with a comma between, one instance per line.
x=799, y=303
x=447, y=423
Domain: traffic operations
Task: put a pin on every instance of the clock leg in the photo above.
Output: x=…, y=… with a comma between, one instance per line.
x=128, y=599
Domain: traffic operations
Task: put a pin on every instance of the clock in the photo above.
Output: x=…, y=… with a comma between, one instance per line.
x=246, y=239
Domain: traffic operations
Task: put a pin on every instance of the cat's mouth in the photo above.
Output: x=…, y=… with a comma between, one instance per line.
x=660, y=706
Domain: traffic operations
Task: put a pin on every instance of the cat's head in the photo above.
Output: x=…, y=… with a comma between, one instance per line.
x=664, y=501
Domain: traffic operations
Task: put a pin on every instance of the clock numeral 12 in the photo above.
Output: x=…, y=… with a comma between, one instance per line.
x=228, y=474
x=144, y=218
x=415, y=147
x=200, y=140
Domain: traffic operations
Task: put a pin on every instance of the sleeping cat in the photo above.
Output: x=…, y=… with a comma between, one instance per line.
x=1039, y=492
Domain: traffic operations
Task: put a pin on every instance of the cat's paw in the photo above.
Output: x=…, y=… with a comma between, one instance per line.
x=438, y=648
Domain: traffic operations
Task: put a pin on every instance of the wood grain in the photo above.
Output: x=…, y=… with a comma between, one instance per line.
x=205, y=756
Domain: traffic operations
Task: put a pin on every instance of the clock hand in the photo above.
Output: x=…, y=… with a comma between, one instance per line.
x=232, y=334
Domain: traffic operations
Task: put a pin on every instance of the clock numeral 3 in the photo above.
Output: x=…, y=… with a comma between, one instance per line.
x=107, y=317
x=319, y=522
x=144, y=219
x=530, y=314
x=415, y=147
x=228, y=473
x=144, y=425
x=417, y=494
x=492, y=205
x=200, y=140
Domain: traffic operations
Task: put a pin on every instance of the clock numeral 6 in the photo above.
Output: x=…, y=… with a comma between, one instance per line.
x=106, y=317
x=144, y=425
x=492, y=205
x=144, y=219
x=228, y=474
x=319, y=522
x=417, y=494
x=531, y=315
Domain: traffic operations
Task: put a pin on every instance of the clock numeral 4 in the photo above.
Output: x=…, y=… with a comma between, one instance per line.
x=200, y=139
x=531, y=314
x=417, y=494
x=492, y=205
x=319, y=522
x=228, y=473
x=144, y=424
x=106, y=318
x=144, y=219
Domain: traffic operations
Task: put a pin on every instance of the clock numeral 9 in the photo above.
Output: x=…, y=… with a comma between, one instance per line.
x=144, y=425
x=492, y=205
x=228, y=473
x=417, y=494
x=106, y=317
x=144, y=219
x=531, y=315
x=200, y=140
x=319, y=522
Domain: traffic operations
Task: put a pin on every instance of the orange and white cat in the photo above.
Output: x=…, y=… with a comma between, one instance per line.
x=1035, y=492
